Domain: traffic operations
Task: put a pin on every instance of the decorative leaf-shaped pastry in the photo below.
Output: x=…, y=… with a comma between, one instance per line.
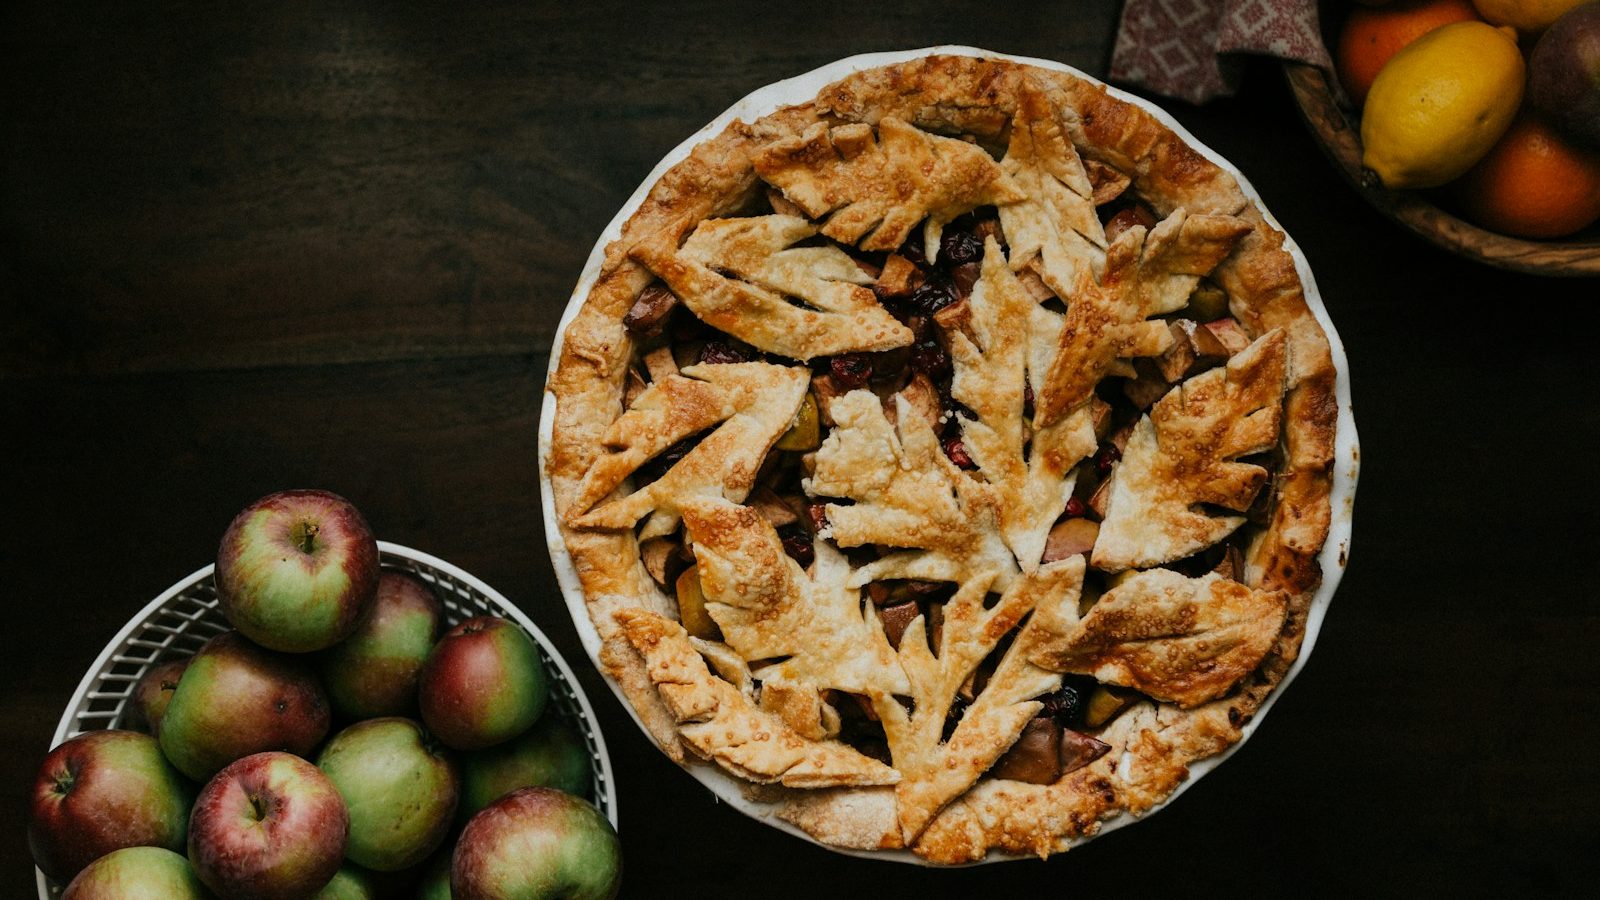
x=934, y=772
x=877, y=190
x=735, y=274
x=1030, y=489
x=1056, y=226
x=1185, y=640
x=908, y=494
x=720, y=723
x=1107, y=322
x=754, y=402
x=768, y=608
x=1180, y=459
x=879, y=583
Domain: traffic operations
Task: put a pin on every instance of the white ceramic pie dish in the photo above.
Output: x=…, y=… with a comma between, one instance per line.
x=1335, y=552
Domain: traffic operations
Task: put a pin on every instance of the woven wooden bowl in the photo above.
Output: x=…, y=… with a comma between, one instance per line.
x=1338, y=130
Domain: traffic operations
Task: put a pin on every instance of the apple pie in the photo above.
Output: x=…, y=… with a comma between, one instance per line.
x=946, y=458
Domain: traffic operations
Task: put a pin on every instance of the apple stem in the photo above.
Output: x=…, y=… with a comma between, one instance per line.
x=306, y=536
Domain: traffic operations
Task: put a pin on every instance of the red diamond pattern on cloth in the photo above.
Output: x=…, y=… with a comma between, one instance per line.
x=1181, y=48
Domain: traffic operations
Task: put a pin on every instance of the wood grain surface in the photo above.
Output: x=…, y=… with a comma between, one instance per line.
x=328, y=245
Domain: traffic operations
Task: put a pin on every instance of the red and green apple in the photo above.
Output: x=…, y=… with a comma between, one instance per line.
x=550, y=754
x=374, y=671
x=537, y=844
x=400, y=788
x=296, y=569
x=236, y=699
x=483, y=683
x=100, y=792
x=137, y=873
x=269, y=826
x=153, y=692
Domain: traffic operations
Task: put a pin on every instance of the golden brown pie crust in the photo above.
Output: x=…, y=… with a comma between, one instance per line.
x=1153, y=743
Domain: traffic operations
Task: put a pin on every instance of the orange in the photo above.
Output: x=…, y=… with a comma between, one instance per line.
x=1533, y=184
x=1373, y=34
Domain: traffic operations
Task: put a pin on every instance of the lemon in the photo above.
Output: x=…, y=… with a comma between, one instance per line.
x=1438, y=105
x=1524, y=15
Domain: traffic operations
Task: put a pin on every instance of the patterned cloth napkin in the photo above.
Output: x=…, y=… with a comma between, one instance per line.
x=1183, y=48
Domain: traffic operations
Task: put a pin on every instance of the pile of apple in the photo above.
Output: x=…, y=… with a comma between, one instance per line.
x=447, y=737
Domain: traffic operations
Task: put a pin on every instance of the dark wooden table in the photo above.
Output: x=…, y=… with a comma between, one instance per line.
x=329, y=246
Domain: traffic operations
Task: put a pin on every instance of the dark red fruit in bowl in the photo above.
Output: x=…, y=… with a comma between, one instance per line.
x=537, y=842
x=665, y=460
x=957, y=451
x=153, y=692
x=1564, y=75
x=912, y=248
x=483, y=683
x=720, y=352
x=551, y=754
x=1106, y=459
x=930, y=359
x=269, y=826
x=374, y=672
x=933, y=295
x=100, y=792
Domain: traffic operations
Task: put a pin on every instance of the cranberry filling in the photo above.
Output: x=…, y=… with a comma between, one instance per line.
x=817, y=515
x=717, y=351
x=934, y=294
x=959, y=248
x=957, y=452
x=965, y=277
x=666, y=459
x=930, y=359
x=1066, y=705
x=1106, y=459
x=912, y=248
x=797, y=543
x=850, y=370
